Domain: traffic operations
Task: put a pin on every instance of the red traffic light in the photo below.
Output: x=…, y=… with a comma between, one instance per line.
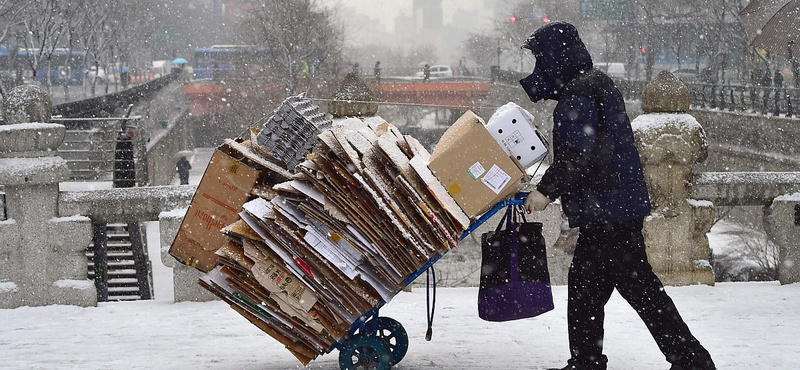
x=546, y=20
x=513, y=18
x=644, y=50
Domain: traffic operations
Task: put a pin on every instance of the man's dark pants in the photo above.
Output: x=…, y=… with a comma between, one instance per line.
x=609, y=256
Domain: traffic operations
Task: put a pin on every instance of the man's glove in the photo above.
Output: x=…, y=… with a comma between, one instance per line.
x=536, y=201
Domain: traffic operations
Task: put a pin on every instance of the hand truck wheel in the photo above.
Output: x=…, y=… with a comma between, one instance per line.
x=393, y=333
x=364, y=352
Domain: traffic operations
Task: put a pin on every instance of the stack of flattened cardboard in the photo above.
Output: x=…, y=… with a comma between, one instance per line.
x=304, y=252
x=314, y=249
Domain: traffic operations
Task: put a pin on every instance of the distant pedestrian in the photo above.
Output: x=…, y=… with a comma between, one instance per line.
x=124, y=165
x=778, y=80
x=796, y=73
x=766, y=80
x=125, y=77
x=795, y=64
x=183, y=168
x=377, y=71
x=426, y=73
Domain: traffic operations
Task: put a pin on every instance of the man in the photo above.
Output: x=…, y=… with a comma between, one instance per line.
x=183, y=166
x=377, y=72
x=598, y=176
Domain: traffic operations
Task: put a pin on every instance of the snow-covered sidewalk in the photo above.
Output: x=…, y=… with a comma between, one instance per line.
x=745, y=326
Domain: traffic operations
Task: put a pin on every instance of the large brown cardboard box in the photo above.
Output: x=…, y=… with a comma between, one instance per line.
x=224, y=188
x=473, y=167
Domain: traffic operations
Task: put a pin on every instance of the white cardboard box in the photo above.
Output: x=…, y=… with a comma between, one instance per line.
x=514, y=130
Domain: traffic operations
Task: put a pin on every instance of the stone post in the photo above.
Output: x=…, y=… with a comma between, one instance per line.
x=670, y=143
x=352, y=99
x=42, y=256
x=782, y=224
x=185, y=286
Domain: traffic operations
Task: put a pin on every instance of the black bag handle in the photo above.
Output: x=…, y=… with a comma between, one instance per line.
x=506, y=220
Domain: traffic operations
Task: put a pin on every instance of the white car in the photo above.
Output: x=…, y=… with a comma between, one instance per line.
x=102, y=76
x=686, y=75
x=436, y=71
x=614, y=70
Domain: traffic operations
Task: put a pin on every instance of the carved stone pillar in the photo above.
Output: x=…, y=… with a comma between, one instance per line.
x=670, y=143
x=42, y=256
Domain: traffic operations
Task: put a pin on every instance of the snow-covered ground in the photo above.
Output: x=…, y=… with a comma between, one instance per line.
x=745, y=326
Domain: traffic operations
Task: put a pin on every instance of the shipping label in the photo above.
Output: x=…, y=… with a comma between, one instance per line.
x=476, y=170
x=496, y=179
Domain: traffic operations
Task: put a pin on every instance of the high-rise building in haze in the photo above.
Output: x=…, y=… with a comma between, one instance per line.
x=426, y=26
x=428, y=14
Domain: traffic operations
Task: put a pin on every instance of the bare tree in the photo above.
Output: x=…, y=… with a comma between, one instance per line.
x=75, y=16
x=481, y=50
x=10, y=17
x=751, y=258
x=40, y=35
x=301, y=37
x=97, y=38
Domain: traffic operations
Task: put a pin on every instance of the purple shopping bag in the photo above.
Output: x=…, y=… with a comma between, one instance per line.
x=515, y=281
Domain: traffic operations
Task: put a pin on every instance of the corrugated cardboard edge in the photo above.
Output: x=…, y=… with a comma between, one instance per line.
x=439, y=192
x=253, y=156
x=198, y=256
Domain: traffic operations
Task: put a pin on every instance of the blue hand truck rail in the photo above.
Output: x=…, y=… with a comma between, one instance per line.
x=365, y=321
x=518, y=200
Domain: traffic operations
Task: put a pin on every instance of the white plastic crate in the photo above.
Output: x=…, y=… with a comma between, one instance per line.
x=514, y=129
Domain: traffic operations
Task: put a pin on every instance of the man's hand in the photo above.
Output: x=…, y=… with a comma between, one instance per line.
x=536, y=201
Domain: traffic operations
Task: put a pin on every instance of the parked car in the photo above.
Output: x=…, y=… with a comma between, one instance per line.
x=613, y=70
x=102, y=76
x=687, y=75
x=437, y=71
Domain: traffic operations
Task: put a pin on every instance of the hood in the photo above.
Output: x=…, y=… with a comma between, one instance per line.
x=560, y=56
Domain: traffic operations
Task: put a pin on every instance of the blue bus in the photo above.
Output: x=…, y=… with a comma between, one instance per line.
x=228, y=62
x=62, y=67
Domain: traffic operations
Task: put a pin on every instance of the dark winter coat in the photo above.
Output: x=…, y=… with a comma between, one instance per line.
x=183, y=166
x=778, y=79
x=124, y=165
x=596, y=169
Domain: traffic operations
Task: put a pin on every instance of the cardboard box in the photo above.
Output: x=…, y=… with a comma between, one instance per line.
x=222, y=191
x=473, y=167
x=514, y=129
